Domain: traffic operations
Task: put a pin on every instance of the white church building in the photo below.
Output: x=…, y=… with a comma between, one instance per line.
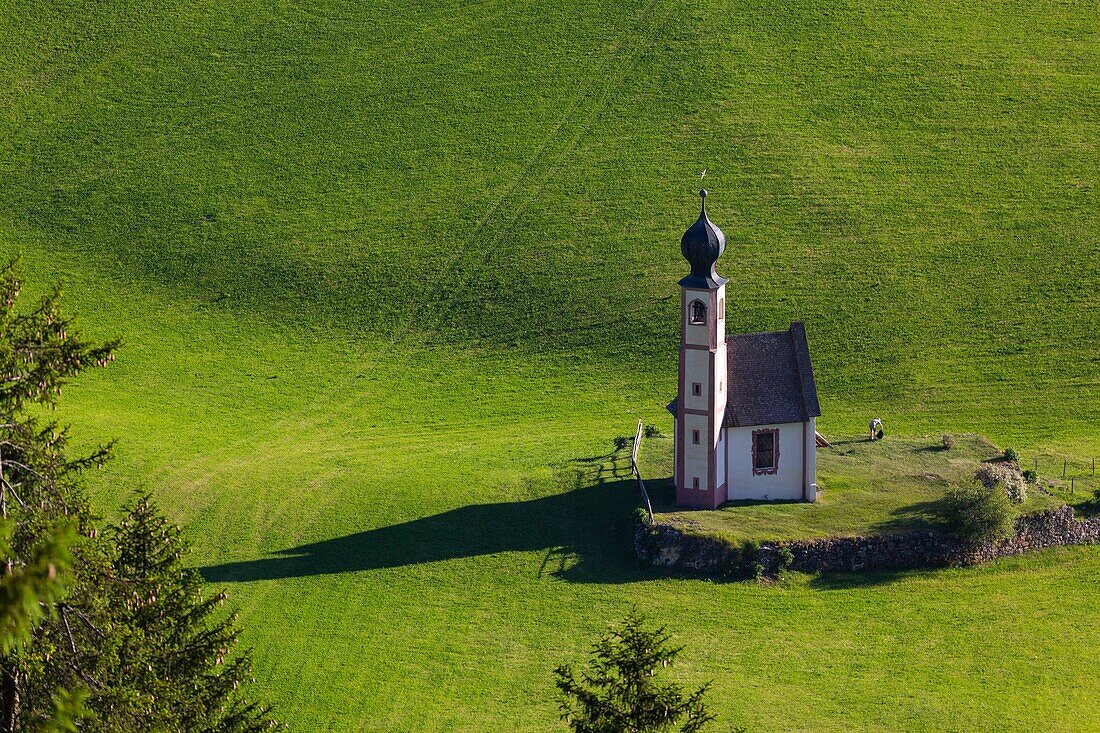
x=746, y=407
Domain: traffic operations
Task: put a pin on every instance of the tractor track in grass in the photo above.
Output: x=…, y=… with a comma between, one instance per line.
x=493, y=228
x=487, y=234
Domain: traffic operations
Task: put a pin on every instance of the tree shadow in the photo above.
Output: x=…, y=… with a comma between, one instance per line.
x=1085, y=509
x=921, y=515
x=586, y=533
x=867, y=578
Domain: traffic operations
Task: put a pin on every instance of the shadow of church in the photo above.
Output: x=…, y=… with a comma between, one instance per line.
x=586, y=534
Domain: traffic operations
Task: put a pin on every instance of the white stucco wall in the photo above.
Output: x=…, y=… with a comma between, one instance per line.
x=697, y=370
x=786, y=483
x=696, y=457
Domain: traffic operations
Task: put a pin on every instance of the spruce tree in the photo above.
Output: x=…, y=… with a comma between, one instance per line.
x=178, y=640
x=132, y=644
x=28, y=595
x=38, y=487
x=621, y=692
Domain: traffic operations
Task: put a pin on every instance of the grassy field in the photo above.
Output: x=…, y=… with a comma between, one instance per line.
x=892, y=485
x=392, y=276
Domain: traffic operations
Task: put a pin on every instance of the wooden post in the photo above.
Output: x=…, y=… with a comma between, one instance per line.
x=634, y=450
x=635, y=470
x=1064, y=462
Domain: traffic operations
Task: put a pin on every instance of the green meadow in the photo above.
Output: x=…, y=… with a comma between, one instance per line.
x=392, y=277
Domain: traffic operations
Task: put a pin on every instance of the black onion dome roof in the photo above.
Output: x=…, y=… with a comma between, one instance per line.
x=702, y=245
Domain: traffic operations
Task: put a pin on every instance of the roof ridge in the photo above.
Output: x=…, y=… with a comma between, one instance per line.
x=784, y=332
x=798, y=366
x=807, y=383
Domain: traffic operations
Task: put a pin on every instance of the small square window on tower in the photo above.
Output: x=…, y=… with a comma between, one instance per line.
x=695, y=437
x=696, y=388
x=694, y=482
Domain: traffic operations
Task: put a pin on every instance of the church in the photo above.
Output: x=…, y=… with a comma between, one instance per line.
x=746, y=408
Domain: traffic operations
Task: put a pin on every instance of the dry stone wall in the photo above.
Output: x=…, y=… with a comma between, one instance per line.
x=667, y=547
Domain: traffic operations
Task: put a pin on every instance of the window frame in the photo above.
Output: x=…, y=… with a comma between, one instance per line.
x=774, y=467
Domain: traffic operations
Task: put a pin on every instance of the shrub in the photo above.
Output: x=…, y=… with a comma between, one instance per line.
x=1011, y=455
x=1016, y=491
x=1006, y=477
x=652, y=431
x=1031, y=477
x=786, y=557
x=759, y=571
x=948, y=441
x=978, y=513
x=748, y=560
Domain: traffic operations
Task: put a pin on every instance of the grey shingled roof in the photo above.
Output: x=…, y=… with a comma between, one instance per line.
x=770, y=379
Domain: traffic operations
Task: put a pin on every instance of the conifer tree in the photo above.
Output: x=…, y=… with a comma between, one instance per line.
x=620, y=691
x=132, y=644
x=179, y=643
x=38, y=491
x=28, y=594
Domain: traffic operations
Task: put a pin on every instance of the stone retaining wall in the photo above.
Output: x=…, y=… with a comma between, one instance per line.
x=663, y=546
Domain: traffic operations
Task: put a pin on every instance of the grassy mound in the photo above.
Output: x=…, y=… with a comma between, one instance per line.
x=892, y=485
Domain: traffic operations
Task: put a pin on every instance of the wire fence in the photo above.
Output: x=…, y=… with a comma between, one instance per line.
x=634, y=469
x=1072, y=475
x=1052, y=465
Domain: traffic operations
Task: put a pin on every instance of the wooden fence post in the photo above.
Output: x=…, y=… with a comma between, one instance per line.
x=1064, y=462
x=638, y=473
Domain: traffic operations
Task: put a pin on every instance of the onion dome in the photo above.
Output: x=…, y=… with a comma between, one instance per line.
x=702, y=245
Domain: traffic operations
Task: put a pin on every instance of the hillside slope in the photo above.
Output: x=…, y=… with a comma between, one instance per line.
x=918, y=184
x=389, y=273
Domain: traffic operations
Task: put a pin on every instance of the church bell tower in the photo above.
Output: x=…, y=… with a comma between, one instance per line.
x=700, y=465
